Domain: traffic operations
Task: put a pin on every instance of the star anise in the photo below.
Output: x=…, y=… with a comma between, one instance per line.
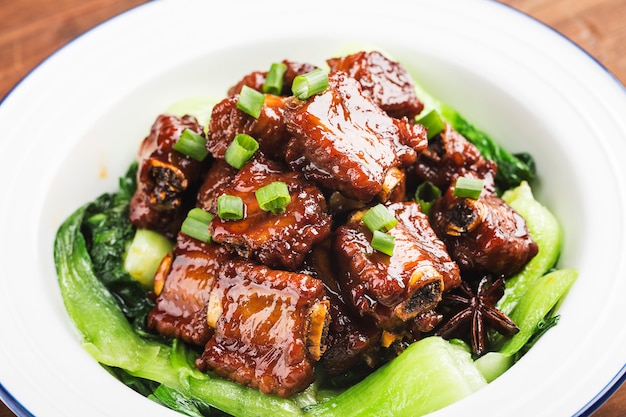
x=477, y=314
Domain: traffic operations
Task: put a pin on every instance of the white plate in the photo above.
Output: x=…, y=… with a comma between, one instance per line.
x=70, y=129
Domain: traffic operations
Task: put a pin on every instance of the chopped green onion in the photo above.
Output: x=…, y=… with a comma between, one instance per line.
x=383, y=242
x=241, y=150
x=191, y=144
x=432, y=122
x=426, y=194
x=274, y=79
x=467, y=187
x=230, y=207
x=196, y=224
x=379, y=218
x=273, y=197
x=306, y=85
x=250, y=101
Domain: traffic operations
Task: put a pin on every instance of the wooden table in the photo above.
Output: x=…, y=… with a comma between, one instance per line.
x=33, y=29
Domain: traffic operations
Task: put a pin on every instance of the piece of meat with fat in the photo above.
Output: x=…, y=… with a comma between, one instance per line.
x=394, y=289
x=483, y=235
x=270, y=327
x=183, y=283
x=279, y=240
x=166, y=178
x=384, y=80
x=343, y=141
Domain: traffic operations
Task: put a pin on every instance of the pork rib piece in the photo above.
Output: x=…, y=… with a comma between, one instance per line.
x=166, y=178
x=278, y=240
x=385, y=81
x=394, y=289
x=343, y=141
x=261, y=327
x=484, y=235
x=448, y=156
x=268, y=129
x=183, y=284
x=270, y=327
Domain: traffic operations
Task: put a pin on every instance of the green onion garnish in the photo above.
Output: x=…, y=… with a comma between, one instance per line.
x=432, y=122
x=273, y=197
x=379, y=218
x=250, y=101
x=230, y=207
x=383, y=242
x=241, y=150
x=467, y=187
x=306, y=85
x=196, y=224
x=426, y=194
x=274, y=79
x=191, y=144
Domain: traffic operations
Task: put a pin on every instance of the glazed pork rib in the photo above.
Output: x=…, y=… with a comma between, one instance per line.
x=386, y=82
x=261, y=327
x=270, y=327
x=183, y=284
x=279, y=240
x=484, y=235
x=393, y=290
x=165, y=178
x=448, y=156
x=343, y=141
x=268, y=129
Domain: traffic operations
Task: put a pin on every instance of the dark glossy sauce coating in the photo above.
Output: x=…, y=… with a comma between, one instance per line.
x=393, y=289
x=266, y=333
x=484, y=235
x=448, y=156
x=277, y=240
x=188, y=279
x=418, y=225
x=383, y=80
x=268, y=129
x=165, y=178
x=345, y=142
x=220, y=176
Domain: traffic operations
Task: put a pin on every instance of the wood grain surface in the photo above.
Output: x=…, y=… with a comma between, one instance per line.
x=31, y=30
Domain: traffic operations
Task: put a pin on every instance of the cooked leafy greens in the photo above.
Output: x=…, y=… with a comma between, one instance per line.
x=108, y=232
